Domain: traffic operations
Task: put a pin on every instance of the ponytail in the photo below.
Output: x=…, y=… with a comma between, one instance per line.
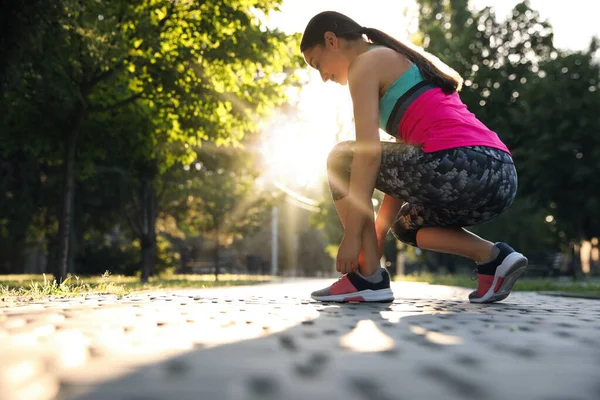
x=431, y=67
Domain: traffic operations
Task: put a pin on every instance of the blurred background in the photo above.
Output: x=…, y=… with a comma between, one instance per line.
x=158, y=137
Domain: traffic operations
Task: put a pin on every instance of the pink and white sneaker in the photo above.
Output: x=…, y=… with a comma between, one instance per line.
x=354, y=287
x=497, y=277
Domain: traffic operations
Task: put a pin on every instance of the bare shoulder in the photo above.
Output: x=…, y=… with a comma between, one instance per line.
x=385, y=53
x=362, y=63
x=384, y=63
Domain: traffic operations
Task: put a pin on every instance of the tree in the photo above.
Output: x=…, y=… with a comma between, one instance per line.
x=24, y=175
x=496, y=60
x=196, y=73
x=217, y=195
x=541, y=101
x=560, y=153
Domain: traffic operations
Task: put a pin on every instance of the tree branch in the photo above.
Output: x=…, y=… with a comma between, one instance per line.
x=109, y=72
x=118, y=104
x=105, y=75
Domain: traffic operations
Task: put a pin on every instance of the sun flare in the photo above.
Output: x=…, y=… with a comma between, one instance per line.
x=295, y=145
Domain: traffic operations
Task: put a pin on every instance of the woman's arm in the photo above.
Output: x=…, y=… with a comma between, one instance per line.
x=390, y=206
x=364, y=89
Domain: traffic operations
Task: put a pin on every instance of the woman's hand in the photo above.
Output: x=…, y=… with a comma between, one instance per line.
x=347, y=257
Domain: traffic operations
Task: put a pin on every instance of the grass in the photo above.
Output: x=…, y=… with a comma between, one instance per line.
x=33, y=287
x=587, y=286
x=23, y=288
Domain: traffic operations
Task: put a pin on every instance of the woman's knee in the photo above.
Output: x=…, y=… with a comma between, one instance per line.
x=405, y=234
x=407, y=224
x=339, y=162
x=338, y=156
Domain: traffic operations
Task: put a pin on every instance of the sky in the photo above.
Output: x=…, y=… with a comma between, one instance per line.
x=574, y=21
x=296, y=148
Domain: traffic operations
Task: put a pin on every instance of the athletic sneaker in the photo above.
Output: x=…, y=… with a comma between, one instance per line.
x=497, y=277
x=355, y=287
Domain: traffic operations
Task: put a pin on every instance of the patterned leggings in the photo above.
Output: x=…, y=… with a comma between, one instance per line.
x=459, y=187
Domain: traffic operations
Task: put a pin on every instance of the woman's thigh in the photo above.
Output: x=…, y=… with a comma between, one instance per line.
x=457, y=187
x=465, y=177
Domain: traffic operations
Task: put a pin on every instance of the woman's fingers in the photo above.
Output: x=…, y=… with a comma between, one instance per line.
x=350, y=265
x=346, y=266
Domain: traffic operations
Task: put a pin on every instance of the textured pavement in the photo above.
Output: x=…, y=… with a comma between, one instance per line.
x=272, y=342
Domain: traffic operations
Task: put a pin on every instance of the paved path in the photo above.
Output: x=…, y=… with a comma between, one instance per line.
x=272, y=342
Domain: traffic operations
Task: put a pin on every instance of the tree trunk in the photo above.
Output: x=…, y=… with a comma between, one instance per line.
x=148, y=258
x=142, y=212
x=576, y=260
x=576, y=270
x=148, y=233
x=217, y=254
x=64, y=223
x=77, y=234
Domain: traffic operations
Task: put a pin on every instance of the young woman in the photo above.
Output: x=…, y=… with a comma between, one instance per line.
x=445, y=171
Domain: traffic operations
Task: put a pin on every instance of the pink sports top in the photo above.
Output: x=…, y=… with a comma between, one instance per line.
x=420, y=113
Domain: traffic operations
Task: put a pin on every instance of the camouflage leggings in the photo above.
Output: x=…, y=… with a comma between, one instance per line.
x=459, y=187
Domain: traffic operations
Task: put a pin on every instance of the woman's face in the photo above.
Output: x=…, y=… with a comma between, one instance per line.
x=329, y=59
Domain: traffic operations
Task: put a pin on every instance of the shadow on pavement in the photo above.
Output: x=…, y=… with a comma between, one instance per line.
x=529, y=347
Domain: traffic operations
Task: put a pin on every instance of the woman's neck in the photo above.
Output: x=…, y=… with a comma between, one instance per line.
x=356, y=48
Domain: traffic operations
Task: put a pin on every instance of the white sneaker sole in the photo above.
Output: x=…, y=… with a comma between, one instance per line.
x=368, y=296
x=511, y=269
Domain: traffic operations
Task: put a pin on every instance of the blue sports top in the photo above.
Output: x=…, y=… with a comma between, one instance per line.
x=400, y=86
x=396, y=99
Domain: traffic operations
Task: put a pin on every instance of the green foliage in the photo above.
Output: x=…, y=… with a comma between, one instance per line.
x=495, y=59
x=327, y=221
x=217, y=194
x=203, y=73
x=561, y=153
x=24, y=288
x=523, y=285
x=116, y=252
x=540, y=101
x=47, y=288
x=145, y=83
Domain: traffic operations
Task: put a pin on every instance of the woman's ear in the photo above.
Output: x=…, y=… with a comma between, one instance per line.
x=331, y=40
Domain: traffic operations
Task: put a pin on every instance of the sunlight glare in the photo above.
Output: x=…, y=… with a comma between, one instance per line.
x=295, y=145
x=435, y=337
x=367, y=337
